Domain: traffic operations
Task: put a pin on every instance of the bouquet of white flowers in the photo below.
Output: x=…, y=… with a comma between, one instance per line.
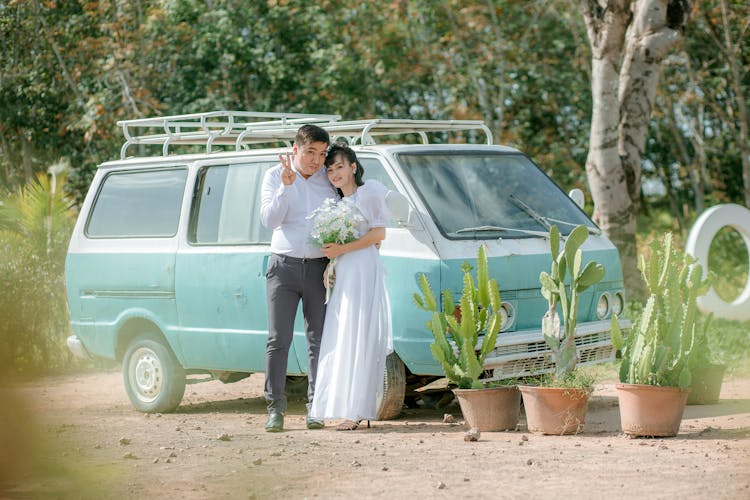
x=335, y=222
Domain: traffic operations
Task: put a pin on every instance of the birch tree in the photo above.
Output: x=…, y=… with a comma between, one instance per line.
x=629, y=40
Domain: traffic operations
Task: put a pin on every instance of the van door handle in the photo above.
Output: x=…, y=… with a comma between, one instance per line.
x=240, y=295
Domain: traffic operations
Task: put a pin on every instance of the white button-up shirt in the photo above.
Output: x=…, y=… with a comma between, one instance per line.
x=285, y=209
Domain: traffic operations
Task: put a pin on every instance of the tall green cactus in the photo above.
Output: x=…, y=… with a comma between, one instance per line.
x=556, y=292
x=479, y=316
x=659, y=348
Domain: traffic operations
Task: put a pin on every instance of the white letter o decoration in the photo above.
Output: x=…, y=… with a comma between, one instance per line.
x=699, y=240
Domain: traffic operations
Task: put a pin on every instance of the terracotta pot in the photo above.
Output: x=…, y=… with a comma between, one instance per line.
x=490, y=409
x=650, y=410
x=706, y=385
x=554, y=410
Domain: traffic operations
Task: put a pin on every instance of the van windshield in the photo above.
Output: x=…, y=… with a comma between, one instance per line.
x=488, y=195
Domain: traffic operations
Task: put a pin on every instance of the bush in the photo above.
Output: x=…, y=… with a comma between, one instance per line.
x=35, y=227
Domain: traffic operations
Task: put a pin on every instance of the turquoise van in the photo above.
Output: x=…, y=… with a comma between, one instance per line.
x=166, y=265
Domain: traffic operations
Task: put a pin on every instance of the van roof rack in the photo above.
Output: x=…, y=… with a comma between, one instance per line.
x=240, y=128
x=215, y=127
x=363, y=131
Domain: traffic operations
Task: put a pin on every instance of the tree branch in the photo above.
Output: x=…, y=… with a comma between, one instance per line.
x=60, y=61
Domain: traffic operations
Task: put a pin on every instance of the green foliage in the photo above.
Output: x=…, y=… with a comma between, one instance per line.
x=35, y=226
x=72, y=69
x=728, y=262
x=555, y=290
x=457, y=334
x=659, y=349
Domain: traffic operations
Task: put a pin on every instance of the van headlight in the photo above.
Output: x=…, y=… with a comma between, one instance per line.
x=507, y=316
x=603, y=305
x=618, y=303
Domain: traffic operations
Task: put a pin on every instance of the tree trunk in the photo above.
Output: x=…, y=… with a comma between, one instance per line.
x=614, y=209
x=5, y=181
x=648, y=40
x=733, y=57
x=27, y=159
x=687, y=161
x=623, y=98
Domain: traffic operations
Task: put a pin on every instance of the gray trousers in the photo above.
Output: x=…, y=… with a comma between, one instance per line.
x=289, y=279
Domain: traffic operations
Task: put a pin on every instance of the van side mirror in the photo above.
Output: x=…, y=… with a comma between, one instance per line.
x=399, y=207
x=578, y=197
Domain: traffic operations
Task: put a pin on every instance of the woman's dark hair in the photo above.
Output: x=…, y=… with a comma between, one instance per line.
x=339, y=149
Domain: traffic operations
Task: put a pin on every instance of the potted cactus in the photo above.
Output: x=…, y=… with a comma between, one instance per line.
x=559, y=405
x=463, y=336
x=706, y=374
x=655, y=372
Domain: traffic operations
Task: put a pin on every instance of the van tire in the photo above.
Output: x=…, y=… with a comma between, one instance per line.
x=394, y=388
x=154, y=379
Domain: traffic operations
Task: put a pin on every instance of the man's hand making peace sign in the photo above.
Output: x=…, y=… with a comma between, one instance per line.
x=287, y=173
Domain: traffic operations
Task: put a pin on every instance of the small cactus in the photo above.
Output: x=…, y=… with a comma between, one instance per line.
x=556, y=292
x=659, y=349
x=479, y=317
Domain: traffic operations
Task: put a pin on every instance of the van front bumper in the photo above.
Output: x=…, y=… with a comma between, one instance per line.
x=525, y=353
x=77, y=348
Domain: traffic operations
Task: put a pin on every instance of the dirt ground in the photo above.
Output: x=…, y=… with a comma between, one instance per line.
x=79, y=437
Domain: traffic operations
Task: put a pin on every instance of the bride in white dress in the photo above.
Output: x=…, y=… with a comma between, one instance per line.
x=357, y=329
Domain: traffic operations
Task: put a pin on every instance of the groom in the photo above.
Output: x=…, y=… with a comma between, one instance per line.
x=290, y=193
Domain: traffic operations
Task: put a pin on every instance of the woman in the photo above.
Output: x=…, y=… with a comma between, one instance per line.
x=357, y=328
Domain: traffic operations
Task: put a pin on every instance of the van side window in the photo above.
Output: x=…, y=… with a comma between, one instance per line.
x=226, y=207
x=144, y=204
x=375, y=170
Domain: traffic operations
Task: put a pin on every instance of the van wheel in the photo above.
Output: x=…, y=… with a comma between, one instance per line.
x=154, y=379
x=391, y=402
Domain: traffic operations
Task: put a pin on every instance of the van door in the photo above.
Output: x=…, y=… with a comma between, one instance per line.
x=220, y=270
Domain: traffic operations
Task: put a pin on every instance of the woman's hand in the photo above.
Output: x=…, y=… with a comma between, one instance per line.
x=332, y=250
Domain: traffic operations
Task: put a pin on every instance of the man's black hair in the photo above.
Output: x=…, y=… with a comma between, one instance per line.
x=311, y=133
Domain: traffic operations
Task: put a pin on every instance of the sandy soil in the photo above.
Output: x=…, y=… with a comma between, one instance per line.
x=82, y=439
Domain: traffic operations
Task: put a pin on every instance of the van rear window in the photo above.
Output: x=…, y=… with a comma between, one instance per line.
x=141, y=204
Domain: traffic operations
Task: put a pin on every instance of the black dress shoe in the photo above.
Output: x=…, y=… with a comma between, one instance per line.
x=275, y=422
x=314, y=423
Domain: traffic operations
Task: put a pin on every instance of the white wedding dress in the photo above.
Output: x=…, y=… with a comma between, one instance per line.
x=357, y=329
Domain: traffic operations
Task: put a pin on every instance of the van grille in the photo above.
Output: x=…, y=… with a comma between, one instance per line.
x=541, y=346
x=533, y=358
x=544, y=364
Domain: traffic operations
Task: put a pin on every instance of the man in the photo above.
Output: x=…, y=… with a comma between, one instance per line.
x=290, y=193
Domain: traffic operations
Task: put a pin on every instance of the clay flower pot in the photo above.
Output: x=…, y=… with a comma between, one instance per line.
x=554, y=410
x=706, y=385
x=650, y=410
x=490, y=409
